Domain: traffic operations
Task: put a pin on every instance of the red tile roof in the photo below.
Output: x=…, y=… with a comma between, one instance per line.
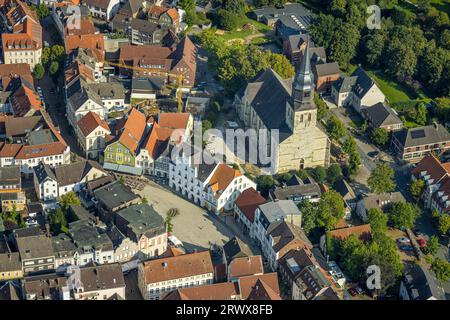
x=25, y=100
x=433, y=167
x=217, y=291
x=174, y=120
x=177, y=267
x=9, y=72
x=250, y=286
x=91, y=121
x=246, y=266
x=223, y=175
x=248, y=201
x=363, y=232
x=133, y=128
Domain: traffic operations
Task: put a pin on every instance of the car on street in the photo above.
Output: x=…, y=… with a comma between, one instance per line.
x=403, y=240
x=353, y=292
x=422, y=243
x=359, y=290
x=373, y=154
x=406, y=248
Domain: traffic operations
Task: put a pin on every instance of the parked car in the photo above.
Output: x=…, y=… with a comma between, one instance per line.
x=359, y=290
x=373, y=154
x=353, y=292
x=406, y=248
x=422, y=243
x=403, y=240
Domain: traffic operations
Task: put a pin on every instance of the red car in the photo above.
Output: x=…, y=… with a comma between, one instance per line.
x=422, y=243
x=353, y=292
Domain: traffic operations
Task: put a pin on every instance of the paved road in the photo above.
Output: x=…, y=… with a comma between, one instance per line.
x=424, y=223
x=53, y=94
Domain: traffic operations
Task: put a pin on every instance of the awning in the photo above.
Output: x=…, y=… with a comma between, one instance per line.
x=122, y=168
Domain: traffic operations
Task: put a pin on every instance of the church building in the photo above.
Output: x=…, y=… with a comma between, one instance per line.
x=270, y=102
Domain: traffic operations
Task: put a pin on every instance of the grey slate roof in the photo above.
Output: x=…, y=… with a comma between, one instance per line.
x=10, y=262
x=268, y=94
x=345, y=84
x=63, y=246
x=344, y=189
x=142, y=219
x=420, y=284
x=33, y=247
x=377, y=200
x=102, y=277
x=114, y=194
x=10, y=175
x=108, y=90
x=431, y=134
x=288, y=9
x=284, y=232
x=381, y=115
x=80, y=92
x=280, y=209
x=236, y=248
x=150, y=84
x=363, y=82
x=311, y=190
x=9, y=291
x=323, y=69
x=86, y=236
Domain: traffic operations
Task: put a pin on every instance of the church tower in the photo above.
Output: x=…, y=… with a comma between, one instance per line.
x=300, y=109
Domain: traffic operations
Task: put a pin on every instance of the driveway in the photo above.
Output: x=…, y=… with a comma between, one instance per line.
x=194, y=226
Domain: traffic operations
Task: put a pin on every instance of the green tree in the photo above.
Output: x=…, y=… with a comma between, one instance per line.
x=330, y=209
x=353, y=254
x=319, y=174
x=57, y=53
x=187, y=5
x=309, y=215
x=335, y=128
x=416, y=188
x=334, y=173
x=264, y=183
x=444, y=223
x=57, y=221
x=46, y=53
x=283, y=177
x=403, y=215
x=302, y=174
x=322, y=108
x=227, y=20
x=349, y=145
x=354, y=163
x=378, y=220
x=280, y=64
x=169, y=224
x=442, y=108
x=42, y=11
x=433, y=245
x=344, y=44
x=68, y=199
x=144, y=200
x=379, y=136
x=235, y=6
x=421, y=116
x=322, y=30
x=382, y=179
x=54, y=67
x=442, y=269
x=38, y=71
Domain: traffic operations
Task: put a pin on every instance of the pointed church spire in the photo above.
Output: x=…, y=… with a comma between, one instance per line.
x=303, y=86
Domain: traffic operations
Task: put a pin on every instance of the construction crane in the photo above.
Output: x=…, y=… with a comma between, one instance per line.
x=179, y=78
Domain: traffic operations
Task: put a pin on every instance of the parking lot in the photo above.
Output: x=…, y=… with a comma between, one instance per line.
x=193, y=226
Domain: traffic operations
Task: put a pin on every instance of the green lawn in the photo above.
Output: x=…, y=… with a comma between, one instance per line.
x=442, y=5
x=242, y=34
x=396, y=92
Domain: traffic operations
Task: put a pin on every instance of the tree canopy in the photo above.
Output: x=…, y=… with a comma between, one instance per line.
x=382, y=179
x=403, y=215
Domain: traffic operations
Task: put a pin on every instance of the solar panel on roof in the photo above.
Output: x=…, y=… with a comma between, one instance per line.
x=418, y=134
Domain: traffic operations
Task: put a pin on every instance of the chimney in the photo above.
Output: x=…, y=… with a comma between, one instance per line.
x=435, y=125
x=47, y=230
x=97, y=220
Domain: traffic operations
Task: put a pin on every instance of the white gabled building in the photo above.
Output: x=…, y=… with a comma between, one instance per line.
x=51, y=183
x=91, y=133
x=104, y=9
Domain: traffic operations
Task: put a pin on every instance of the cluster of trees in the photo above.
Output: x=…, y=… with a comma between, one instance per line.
x=237, y=63
x=274, y=3
x=409, y=46
x=442, y=269
x=355, y=255
x=324, y=214
x=58, y=219
x=192, y=17
x=52, y=58
x=335, y=128
x=327, y=175
x=230, y=14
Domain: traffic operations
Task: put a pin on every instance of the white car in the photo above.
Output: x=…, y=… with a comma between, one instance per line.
x=403, y=240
